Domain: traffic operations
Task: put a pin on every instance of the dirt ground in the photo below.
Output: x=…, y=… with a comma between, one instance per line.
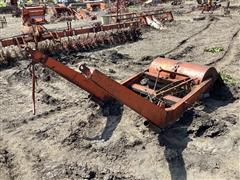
x=71, y=137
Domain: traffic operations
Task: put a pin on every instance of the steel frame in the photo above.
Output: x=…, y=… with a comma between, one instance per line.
x=51, y=35
x=161, y=93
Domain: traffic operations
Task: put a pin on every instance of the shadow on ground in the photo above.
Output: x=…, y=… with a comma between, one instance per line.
x=176, y=137
x=113, y=110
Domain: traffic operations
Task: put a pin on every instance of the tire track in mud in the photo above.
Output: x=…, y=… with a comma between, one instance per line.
x=16, y=123
x=6, y=164
x=181, y=43
x=29, y=153
x=46, y=160
x=228, y=50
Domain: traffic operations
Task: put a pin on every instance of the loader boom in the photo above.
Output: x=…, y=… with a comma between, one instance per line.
x=71, y=75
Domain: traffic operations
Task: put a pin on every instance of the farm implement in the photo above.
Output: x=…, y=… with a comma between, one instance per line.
x=154, y=18
x=208, y=5
x=161, y=93
x=70, y=39
x=125, y=29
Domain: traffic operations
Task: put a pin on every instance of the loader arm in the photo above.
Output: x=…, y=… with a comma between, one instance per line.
x=71, y=75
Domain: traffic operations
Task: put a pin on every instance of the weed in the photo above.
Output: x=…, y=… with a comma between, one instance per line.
x=228, y=79
x=214, y=50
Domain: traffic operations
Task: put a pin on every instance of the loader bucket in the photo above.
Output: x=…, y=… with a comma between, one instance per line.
x=195, y=71
x=163, y=92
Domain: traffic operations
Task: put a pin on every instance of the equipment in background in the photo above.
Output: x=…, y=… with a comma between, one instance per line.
x=208, y=5
x=154, y=18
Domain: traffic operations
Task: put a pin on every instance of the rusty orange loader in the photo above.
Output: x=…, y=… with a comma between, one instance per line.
x=160, y=93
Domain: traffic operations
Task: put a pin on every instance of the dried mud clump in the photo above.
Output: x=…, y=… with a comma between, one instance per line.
x=76, y=170
x=6, y=163
x=5, y=64
x=113, y=56
x=231, y=118
x=47, y=99
x=204, y=126
x=24, y=74
x=74, y=138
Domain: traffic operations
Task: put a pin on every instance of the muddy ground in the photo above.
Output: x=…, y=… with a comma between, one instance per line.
x=71, y=137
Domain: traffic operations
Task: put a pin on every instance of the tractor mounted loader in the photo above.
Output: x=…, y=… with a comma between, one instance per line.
x=160, y=93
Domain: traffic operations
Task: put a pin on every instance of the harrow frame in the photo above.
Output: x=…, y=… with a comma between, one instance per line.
x=51, y=35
